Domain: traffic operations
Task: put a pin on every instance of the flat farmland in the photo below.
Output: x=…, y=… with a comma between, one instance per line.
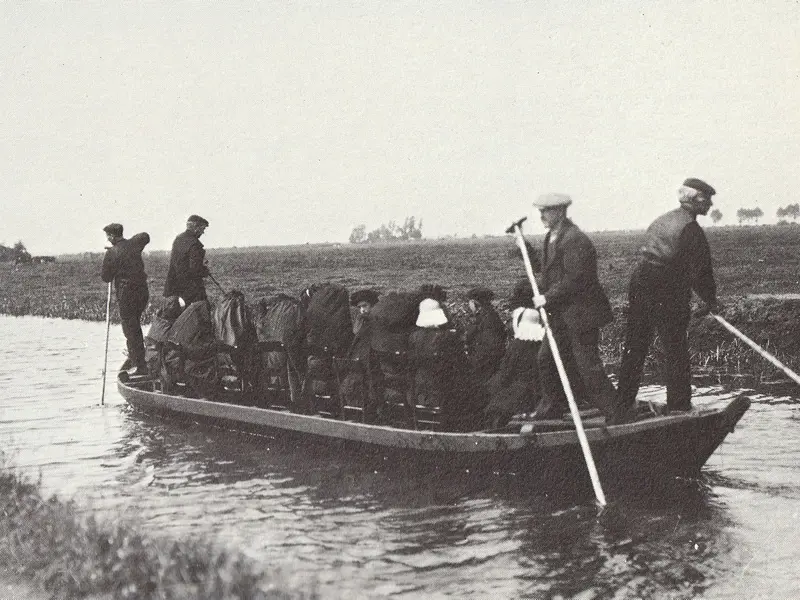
x=757, y=269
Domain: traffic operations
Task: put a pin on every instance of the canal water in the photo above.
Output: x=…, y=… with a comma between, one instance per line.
x=365, y=534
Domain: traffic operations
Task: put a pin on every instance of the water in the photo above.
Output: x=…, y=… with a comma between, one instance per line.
x=366, y=534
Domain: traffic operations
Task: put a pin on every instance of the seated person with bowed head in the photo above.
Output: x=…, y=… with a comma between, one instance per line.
x=438, y=367
x=485, y=336
x=514, y=388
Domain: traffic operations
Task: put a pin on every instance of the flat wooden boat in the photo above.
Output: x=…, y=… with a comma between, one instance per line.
x=649, y=449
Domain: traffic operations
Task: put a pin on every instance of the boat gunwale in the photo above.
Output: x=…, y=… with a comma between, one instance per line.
x=475, y=441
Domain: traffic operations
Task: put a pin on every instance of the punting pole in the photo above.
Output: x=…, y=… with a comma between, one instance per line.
x=105, y=354
x=516, y=229
x=758, y=348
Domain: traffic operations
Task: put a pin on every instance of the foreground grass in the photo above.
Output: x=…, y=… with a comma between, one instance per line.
x=748, y=260
x=71, y=555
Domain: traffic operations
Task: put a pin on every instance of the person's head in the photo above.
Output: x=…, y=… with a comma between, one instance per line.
x=521, y=295
x=196, y=224
x=695, y=196
x=431, y=314
x=432, y=290
x=113, y=232
x=552, y=209
x=364, y=300
x=479, y=297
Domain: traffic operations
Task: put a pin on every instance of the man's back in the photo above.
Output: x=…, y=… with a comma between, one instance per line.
x=123, y=261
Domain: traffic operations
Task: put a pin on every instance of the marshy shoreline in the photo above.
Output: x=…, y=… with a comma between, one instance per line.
x=51, y=548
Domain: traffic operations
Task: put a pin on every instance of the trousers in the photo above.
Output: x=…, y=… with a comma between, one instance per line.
x=132, y=300
x=581, y=358
x=657, y=304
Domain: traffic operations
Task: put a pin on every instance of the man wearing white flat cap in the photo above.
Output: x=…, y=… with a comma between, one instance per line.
x=577, y=307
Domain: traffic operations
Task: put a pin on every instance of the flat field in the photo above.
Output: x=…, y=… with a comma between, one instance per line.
x=763, y=260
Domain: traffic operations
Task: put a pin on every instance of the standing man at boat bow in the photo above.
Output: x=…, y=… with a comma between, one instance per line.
x=124, y=266
x=674, y=260
x=187, y=266
x=577, y=308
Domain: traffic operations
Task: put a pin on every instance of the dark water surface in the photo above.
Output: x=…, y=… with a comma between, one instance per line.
x=366, y=534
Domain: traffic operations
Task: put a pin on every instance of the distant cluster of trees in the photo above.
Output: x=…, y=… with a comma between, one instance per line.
x=17, y=253
x=391, y=231
x=790, y=210
x=745, y=215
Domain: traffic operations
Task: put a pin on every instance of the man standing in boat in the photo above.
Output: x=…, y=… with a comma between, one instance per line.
x=577, y=307
x=124, y=266
x=674, y=260
x=187, y=266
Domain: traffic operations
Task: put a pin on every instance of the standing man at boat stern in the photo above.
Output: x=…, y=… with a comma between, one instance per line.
x=577, y=307
x=124, y=266
x=674, y=260
x=187, y=266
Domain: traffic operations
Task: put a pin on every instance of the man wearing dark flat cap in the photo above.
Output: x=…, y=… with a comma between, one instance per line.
x=674, y=260
x=187, y=266
x=577, y=307
x=485, y=336
x=124, y=266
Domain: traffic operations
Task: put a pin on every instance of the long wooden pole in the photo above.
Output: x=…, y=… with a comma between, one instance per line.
x=105, y=354
x=758, y=348
x=573, y=406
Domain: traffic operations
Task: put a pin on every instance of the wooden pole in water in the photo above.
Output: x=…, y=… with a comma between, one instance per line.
x=758, y=348
x=516, y=228
x=105, y=354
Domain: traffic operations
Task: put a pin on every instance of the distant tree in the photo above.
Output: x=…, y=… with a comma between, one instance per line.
x=21, y=254
x=749, y=214
x=409, y=230
x=359, y=234
x=792, y=211
x=715, y=215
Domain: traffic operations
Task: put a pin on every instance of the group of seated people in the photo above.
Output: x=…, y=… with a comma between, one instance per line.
x=397, y=359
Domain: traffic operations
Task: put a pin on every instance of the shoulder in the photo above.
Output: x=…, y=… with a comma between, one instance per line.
x=575, y=236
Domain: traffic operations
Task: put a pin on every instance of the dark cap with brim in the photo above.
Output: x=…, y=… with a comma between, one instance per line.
x=480, y=294
x=367, y=295
x=114, y=229
x=197, y=219
x=700, y=186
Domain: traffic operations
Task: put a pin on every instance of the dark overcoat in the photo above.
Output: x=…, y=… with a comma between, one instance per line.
x=569, y=280
x=186, y=268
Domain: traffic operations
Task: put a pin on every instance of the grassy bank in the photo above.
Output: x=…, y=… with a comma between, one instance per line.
x=748, y=260
x=67, y=554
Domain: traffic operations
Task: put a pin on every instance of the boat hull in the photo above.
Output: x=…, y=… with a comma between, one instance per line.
x=644, y=451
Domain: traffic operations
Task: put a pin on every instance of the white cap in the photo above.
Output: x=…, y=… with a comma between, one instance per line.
x=430, y=314
x=551, y=200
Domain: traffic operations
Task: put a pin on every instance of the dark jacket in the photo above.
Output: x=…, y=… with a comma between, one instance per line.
x=569, y=280
x=123, y=262
x=486, y=343
x=677, y=247
x=186, y=268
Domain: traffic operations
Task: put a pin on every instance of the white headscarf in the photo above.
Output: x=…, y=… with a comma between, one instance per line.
x=527, y=327
x=430, y=314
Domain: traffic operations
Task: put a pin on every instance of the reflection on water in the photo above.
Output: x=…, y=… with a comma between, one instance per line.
x=364, y=533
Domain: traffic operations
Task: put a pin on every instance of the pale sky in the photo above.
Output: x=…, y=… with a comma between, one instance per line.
x=288, y=123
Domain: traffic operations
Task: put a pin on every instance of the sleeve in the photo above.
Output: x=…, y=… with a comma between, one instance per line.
x=109, y=269
x=196, y=257
x=693, y=246
x=578, y=257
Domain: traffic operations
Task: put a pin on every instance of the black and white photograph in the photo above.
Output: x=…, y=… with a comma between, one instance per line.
x=405, y=299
